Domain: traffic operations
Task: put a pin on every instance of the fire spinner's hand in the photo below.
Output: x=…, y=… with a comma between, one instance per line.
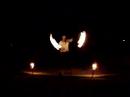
x=70, y=40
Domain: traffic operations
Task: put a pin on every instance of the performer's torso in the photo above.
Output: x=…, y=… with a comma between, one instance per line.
x=64, y=46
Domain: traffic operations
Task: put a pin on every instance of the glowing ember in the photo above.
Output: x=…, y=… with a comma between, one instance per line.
x=94, y=66
x=54, y=43
x=32, y=65
x=81, y=39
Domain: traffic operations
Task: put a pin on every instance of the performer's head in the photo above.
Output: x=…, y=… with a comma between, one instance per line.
x=63, y=38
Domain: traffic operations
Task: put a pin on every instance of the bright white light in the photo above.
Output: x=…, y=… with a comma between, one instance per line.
x=94, y=66
x=81, y=39
x=123, y=40
x=32, y=65
x=54, y=43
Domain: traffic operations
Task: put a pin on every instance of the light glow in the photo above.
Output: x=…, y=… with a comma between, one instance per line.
x=123, y=40
x=94, y=66
x=54, y=43
x=32, y=65
x=81, y=39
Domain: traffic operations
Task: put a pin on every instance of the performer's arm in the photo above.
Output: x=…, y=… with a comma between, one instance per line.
x=70, y=40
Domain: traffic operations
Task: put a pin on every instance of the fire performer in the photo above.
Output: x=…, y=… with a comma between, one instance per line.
x=64, y=50
x=64, y=43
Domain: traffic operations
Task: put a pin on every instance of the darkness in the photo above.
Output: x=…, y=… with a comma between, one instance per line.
x=26, y=35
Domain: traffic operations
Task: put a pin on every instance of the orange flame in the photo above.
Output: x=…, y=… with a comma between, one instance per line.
x=94, y=66
x=81, y=39
x=54, y=43
x=32, y=65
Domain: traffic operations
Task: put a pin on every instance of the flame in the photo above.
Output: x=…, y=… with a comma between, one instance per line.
x=81, y=39
x=94, y=66
x=54, y=43
x=32, y=65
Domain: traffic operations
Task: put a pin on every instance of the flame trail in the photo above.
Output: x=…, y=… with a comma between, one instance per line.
x=54, y=43
x=81, y=39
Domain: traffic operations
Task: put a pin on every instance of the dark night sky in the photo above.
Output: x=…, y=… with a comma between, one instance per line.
x=104, y=22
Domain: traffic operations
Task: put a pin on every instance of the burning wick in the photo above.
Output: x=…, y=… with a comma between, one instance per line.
x=32, y=65
x=94, y=67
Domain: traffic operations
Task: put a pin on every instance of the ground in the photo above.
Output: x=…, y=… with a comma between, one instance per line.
x=28, y=85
